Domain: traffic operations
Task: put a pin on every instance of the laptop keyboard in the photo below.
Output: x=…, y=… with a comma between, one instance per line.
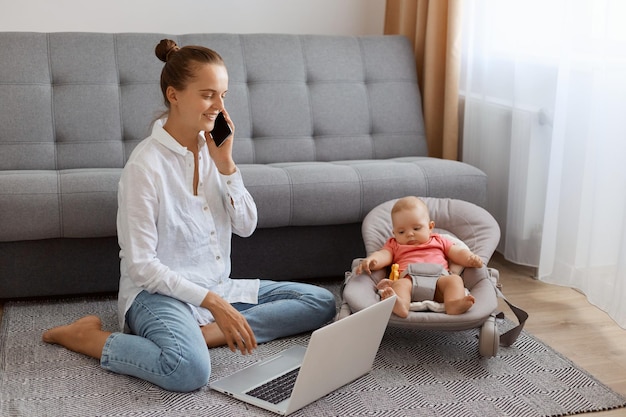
x=276, y=390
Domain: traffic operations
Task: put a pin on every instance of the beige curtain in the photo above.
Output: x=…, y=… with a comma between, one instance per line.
x=434, y=28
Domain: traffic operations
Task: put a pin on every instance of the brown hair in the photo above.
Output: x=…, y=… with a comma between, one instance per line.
x=181, y=63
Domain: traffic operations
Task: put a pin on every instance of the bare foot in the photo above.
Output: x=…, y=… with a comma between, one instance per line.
x=459, y=306
x=399, y=309
x=384, y=283
x=213, y=335
x=85, y=335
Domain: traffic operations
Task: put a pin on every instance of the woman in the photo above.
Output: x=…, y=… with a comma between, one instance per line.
x=180, y=198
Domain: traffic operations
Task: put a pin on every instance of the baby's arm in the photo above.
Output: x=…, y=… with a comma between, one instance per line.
x=377, y=260
x=464, y=257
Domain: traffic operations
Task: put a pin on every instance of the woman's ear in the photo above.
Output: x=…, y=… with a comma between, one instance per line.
x=170, y=93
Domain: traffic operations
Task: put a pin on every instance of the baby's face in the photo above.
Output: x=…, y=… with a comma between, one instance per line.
x=411, y=226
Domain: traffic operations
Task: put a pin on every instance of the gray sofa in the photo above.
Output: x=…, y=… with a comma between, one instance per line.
x=327, y=127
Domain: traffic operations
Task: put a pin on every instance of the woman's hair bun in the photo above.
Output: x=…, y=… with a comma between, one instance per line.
x=165, y=48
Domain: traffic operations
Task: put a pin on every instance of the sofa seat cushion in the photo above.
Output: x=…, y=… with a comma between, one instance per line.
x=72, y=203
x=82, y=203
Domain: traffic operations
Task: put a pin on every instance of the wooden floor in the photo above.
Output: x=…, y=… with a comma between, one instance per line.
x=563, y=319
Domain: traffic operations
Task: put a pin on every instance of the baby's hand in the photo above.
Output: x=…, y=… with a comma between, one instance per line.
x=366, y=265
x=475, y=261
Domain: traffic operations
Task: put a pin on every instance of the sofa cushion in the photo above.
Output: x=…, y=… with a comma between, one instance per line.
x=51, y=204
x=342, y=192
x=83, y=202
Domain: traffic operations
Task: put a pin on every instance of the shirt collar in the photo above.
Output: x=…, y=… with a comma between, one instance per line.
x=167, y=140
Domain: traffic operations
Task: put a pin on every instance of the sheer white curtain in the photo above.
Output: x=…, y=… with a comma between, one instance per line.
x=544, y=88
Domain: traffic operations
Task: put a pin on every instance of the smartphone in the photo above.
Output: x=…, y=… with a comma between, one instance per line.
x=221, y=131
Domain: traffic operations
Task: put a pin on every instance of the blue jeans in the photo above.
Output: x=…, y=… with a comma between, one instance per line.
x=167, y=347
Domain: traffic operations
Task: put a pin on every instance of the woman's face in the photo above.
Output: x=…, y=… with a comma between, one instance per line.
x=197, y=106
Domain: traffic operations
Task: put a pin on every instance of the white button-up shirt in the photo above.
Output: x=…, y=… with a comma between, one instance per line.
x=173, y=242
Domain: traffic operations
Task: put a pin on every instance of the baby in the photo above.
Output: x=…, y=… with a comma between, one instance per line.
x=414, y=241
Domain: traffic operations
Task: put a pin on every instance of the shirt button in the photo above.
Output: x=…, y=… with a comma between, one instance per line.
x=218, y=257
x=205, y=208
x=228, y=182
x=212, y=232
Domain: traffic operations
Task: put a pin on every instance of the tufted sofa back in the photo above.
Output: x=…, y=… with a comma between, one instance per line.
x=84, y=100
x=327, y=128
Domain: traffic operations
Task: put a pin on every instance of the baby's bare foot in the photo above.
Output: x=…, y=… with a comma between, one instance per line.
x=460, y=305
x=386, y=293
x=399, y=309
x=384, y=283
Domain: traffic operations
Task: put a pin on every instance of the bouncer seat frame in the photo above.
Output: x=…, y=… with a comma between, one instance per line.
x=471, y=225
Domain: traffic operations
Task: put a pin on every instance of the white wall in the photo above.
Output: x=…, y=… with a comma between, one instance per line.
x=336, y=17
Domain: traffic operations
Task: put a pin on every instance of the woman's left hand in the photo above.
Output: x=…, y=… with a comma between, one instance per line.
x=237, y=332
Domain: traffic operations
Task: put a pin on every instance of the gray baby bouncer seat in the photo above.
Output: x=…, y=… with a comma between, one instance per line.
x=466, y=224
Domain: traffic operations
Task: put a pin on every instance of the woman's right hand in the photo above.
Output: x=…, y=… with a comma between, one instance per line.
x=232, y=323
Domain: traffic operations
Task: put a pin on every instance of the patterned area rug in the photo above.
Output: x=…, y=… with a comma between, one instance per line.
x=416, y=373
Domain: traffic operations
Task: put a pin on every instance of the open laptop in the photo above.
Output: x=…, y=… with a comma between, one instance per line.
x=336, y=355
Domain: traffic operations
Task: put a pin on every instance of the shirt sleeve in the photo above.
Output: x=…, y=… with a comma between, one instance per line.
x=391, y=245
x=445, y=243
x=240, y=205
